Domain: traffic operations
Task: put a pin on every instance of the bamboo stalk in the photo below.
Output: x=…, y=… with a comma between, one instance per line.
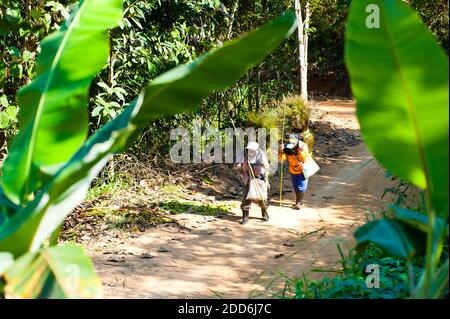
x=282, y=162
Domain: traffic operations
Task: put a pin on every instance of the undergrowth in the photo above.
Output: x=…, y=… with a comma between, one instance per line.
x=191, y=207
x=352, y=281
x=131, y=195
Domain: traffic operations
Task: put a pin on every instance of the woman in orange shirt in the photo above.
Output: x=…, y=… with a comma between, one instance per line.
x=296, y=153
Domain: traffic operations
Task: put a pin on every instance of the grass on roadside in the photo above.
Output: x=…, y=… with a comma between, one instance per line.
x=357, y=278
x=191, y=207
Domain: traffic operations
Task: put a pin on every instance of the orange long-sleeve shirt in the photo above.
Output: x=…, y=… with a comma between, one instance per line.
x=295, y=161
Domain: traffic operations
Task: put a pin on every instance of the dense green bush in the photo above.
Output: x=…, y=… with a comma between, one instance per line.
x=265, y=119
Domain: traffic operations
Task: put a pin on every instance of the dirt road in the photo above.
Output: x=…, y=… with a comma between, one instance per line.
x=211, y=257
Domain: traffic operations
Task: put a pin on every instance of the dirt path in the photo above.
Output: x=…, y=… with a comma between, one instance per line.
x=212, y=257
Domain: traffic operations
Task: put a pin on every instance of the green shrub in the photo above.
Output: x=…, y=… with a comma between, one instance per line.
x=265, y=119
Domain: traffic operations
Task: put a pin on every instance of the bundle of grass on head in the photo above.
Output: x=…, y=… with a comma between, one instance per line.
x=297, y=113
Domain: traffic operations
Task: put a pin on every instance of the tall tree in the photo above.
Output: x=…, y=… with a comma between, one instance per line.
x=303, y=19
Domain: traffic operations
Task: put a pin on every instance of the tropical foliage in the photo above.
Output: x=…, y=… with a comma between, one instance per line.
x=46, y=188
x=82, y=81
x=400, y=81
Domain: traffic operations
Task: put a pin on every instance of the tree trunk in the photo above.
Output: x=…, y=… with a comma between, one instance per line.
x=231, y=19
x=250, y=92
x=112, y=57
x=220, y=106
x=258, y=89
x=305, y=61
x=302, y=46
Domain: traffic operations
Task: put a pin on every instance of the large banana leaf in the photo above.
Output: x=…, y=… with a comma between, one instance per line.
x=438, y=230
x=179, y=90
x=440, y=282
x=6, y=207
x=420, y=221
x=404, y=235
x=53, y=107
x=6, y=260
x=54, y=272
x=399, y=77
x=393, y=237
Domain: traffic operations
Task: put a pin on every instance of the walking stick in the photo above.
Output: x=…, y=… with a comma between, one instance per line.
x=282, y=162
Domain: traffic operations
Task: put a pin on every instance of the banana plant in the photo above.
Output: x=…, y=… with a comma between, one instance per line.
x=51, y=163
x=399, y=77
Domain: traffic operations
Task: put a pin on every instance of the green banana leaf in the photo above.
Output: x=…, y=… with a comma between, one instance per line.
x=53, y=118
x=3, y=216
x=437, y=287
x=6, y=261
x=53, y=272
x=7, y=208
x=5, y=202
x=418, y=220
x=399, y=77
x=179, y=90
x=440, y=282
x=421, y=222
x=394, y=238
